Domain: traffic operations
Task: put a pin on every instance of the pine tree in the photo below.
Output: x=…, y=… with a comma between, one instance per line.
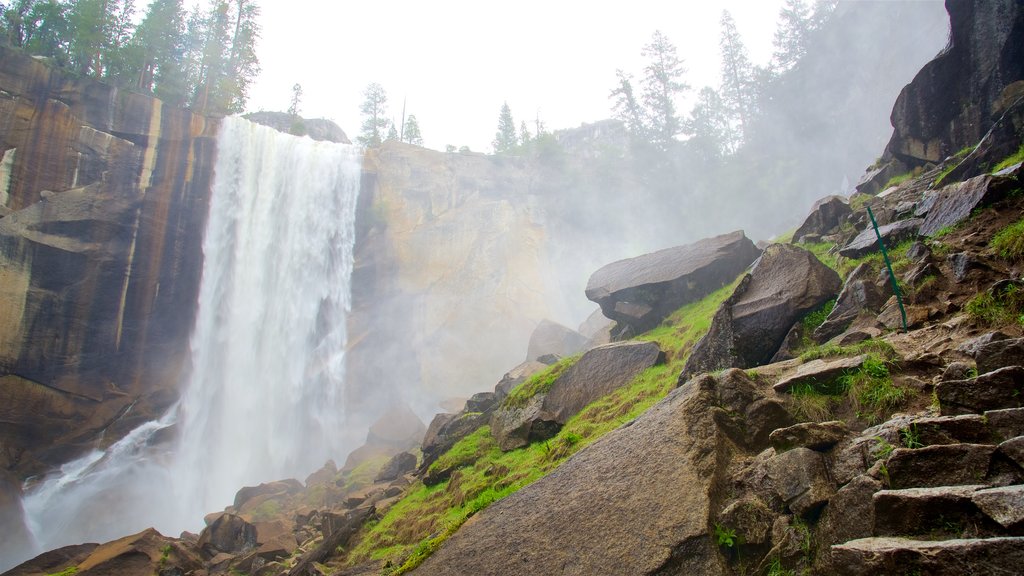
x=663, y=83
x=243, y=64
x=374, y=120
x=738, y=91
x=791, y=34
x=505, y=138
x=524, y=133
x=626, y=108
x=412, y=133
x=392, y=132
x=41, y=27
x=711, y=134
x=293, y=108
x=157, y=50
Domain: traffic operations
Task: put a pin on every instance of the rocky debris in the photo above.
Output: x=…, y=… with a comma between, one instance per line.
x=341, y=531
x=819, y=372
x=952, y=204
x=640, y=292
x=400, y=464
x=961, y=557
x=661, y=507
x=892, y=234
x=147, y=552
x=818, y=436
x=397, y=430
x=860, y=296
x=998, y=354
x=971, y=347
x=229, y=534
x=786, y=283
x=825, y=217
x=991, y=391
x=553, y=338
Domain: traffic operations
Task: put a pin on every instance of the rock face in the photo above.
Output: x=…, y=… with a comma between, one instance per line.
x=952, y=204
x=867, y=241
x=316, y=128
x=786, y=283
x=657, y=480
x=553, y=338
x=102, y=195
x=640, y=292
x=957, y=97
x=859, y=296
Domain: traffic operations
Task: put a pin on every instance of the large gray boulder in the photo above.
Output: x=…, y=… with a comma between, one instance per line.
x=553, y=338
x=953, y=204
x=860, y=295
x=785, y=284
x=867, y=241
x=656, y=478
x=825, y=217
x=640, y=292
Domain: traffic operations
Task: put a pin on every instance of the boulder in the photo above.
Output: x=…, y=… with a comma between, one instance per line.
x=482, y=402
x=398, y=465
x=1003, y=388
x=451, y=431
x=142, y=554
x=872, y=181
x=1004, y=504
x=921, y=510
x=656, y=478
x=517, y=376
x=892, y=234
x=517, y=426
x=1005, y=424
x=553, y=338
x=820, y=372
x=825, y=217
x=961, y=263
x=598, y=372
x=800, y=480
x=640, y=292
x=860, y=295
x=1014, y=450
x=951, y=429
x=818, y=436
x=786, y=283
x=228, y=533
x=281, y=488
x=850, y=512
x=960, y=557
x=971, y=347
x=597, y=329
x=939, y=465
x=999, y=354
x=399, y=427
x=749, y=517
x=952, y=204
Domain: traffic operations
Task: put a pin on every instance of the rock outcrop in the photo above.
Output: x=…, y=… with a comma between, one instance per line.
x=320, y=129
x=640, y=292
x=553, y=338
x=825, y=217
x=102, y=196
x=786, y=283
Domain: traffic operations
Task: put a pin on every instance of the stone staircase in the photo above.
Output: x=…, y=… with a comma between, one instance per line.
x=953, y=504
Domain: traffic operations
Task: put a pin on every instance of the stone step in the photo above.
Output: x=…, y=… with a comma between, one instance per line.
x=948, y=430
x=940, y=465
x=944, y=511
x=961, y=557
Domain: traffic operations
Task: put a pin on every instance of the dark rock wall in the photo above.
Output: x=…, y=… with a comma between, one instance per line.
x=103, y=200
x=944, y=109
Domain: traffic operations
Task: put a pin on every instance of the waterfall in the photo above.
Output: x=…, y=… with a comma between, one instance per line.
x=265, y=396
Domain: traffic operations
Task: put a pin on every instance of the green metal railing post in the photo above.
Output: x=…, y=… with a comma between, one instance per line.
x=888, y=264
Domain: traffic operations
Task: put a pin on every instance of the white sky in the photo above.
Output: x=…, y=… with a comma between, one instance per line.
x=456, y=61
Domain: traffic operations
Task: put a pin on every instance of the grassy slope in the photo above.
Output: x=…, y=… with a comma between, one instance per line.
x=415, y=526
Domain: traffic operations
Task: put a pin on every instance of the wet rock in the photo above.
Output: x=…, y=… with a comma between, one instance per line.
x=859, y=295
x=892, y=318
x=749, y=517
x=1014, y=450
x=799, y=478
x=939, y=465
x=919, y=252
x=450, y=431
x=517, y=376
x=971, y=347
x=228, y=533
x=872, y=181
x=482, y=402
x=640, y=292
x=553, y=338
x=957, y=371
x=597, y=329
x=819, y=372
x=919, y=510
x=961, y=557
x=513, y=426
x=1004, y=504
x=786, y=283
x=825, y=217
x=850, y=512
x=999, y=354
x=953, y=204
x=970, y=428
x=961, y=264
x=1003, y=388
x=398, y=465
x=818, y=436
x=280, y=488
x=867, y=242
x=1005, y=424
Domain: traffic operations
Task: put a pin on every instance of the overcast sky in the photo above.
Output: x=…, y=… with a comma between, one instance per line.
x=456, y=61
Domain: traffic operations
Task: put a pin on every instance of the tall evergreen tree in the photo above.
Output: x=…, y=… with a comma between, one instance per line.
x=158, y=49
x=626, y=107
x=711, y=134
x=791, y=34
x=374, y=119
x=392, y=132
x=412, y=133
x=243, y=63
x=293, y=107
x=738, y=90
x=524, y=133
x=505, y=138
x=40, y=27
x=663, y=83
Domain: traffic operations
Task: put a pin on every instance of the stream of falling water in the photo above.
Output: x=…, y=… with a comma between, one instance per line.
x=264, y=400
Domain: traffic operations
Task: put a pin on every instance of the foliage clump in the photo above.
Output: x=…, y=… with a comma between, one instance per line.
x=1009, y=242
x=539, y=383
x=998, y=307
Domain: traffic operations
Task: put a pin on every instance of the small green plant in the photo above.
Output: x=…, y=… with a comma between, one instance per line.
x=911, y=437
x=882, y=448
x=872, y=390
x=66, y=572
x=897, y=180
x=539, y=383
x=953, y=163
x=726, y=537
x=776, y=569
x=1004, y=307
x=1009, y=242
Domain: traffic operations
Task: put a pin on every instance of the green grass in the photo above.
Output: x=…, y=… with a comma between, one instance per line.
x=880, y=348
x=539, y=383
x=65, y=572
x=1009, y=242
x=953, y=163
x=872, y=390
x=897, y=180
x=1001, y=309
x=869, y=389
x=1016, y=157
x=419, y=523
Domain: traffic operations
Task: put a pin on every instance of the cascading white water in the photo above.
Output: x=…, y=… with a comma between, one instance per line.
x=265, y=397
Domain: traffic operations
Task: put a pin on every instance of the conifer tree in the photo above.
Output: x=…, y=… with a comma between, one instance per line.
x=738, y=90
x=293, y=107
x=412, y=133
x=505, y=138
x=524, y=133
x=711, y=134
x=663, y=83
x=157, y=50
x=791, y=34
x=626, y=108
x=374, y=120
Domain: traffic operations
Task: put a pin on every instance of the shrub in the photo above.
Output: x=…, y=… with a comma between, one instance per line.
x=1003, y=307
